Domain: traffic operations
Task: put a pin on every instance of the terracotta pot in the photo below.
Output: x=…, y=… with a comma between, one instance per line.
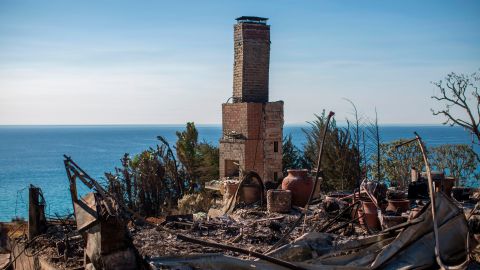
x=398, y=206
x=300, y=184
x=250, y=193
x=370, y=217
x=279, y=201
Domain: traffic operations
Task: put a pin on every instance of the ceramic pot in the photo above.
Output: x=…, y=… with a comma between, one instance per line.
x=370, y=216
x=398, y=206
x=300, y=184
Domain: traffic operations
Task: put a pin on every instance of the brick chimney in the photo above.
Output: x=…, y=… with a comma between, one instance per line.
x=252, y=126
x=252, y=59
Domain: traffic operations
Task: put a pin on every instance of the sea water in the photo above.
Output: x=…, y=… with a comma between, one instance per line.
x=34, y=155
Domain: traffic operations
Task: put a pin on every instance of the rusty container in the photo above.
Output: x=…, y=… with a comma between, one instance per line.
x=398, y=206
x=279, y=201
x=250, y=193
x=300, y=184
x=370, y=216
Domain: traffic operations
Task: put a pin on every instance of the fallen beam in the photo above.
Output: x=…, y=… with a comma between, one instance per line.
x=240, y=250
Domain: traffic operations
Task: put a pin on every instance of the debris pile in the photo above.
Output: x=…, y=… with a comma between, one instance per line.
x=251, y=228
x=60, y=246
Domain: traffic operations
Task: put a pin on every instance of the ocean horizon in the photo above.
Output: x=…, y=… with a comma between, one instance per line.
x=33, y=154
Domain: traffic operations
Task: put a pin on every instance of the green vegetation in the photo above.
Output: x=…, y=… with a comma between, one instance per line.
x=356, y=152
x=459, y=160
x=153, y=181
x=340, y=166
x=292, y=156
x=396, y=163
x=149, y=182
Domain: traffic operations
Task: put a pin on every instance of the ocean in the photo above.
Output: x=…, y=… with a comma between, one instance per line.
x=34, y=155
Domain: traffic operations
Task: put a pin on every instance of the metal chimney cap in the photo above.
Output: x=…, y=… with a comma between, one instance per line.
x=252, y=19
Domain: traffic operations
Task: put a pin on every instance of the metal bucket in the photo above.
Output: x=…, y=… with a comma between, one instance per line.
x=250, y=193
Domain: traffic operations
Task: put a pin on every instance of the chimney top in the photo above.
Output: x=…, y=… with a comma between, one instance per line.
x=252, y=19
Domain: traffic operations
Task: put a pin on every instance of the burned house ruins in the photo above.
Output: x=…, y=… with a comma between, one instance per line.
x=371, y=227
x=252, y=126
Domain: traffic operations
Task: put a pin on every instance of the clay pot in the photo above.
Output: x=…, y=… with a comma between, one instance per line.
x=250, y=193
x=370, y=216
x=398, y=206
x=279, y=201
x=300, y=184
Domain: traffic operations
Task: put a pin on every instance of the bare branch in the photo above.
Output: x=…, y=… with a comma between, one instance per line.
x=455, y=93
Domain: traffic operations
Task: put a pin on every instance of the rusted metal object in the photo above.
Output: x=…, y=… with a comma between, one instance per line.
x=102, y=221
x=431, y=187
x=279, y=201
x=86, y=212
x=300, y=184
x=250, y=193
x=250, y=178
x=37, y=223
x=3, y=237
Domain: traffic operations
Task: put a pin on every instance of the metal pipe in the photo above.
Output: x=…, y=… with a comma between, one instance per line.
x=431, y=188
x=319, y=162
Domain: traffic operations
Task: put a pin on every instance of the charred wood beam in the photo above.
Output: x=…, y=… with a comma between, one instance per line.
x=343, y=225
x=338, y=216
x=242, y=251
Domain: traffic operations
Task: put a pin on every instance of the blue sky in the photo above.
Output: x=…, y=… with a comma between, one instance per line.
x=163, y=62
